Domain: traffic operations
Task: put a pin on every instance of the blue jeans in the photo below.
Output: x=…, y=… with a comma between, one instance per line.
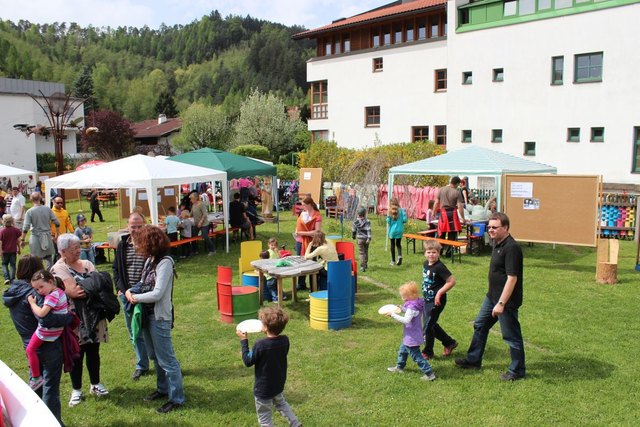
x=511, y=334
x=50, y=355
x=88, y=254
x=142, y=358
x=157, y=335
x=9, y=265
x=302, y=280
x=264, y=408
x=209, y=246
x=404, y=351
x=430, y=327
x=271, y=291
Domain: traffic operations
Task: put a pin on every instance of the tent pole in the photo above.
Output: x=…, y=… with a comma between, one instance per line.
x=225, y=210
x=274, y=180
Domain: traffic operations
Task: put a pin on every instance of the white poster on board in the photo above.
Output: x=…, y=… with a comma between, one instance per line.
x=522, y=189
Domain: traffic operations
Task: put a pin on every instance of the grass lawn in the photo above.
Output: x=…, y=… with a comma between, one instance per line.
x=579, y=337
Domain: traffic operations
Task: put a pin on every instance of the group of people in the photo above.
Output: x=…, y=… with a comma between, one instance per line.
x=69, y=302
x=423, y=306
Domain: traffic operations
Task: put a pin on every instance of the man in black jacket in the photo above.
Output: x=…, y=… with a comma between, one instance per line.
x=127, y=271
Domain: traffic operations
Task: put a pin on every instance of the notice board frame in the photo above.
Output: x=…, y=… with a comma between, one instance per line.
x=560, y=209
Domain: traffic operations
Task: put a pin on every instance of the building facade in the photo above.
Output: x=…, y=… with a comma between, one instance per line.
x=18, y=108
x=548, y=80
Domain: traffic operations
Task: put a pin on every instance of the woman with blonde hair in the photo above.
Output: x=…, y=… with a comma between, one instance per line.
x=323, y=252
x=396, y=218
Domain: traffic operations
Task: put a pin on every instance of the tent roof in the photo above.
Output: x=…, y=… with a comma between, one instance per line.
x=236, y=166
x=472, y=161
x=137, y=171
x=11, y=171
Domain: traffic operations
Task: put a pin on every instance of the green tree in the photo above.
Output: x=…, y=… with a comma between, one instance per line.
x=203, y=126
x=263, y=121
x=83, y=88
x=166, y=105
x=251, y=150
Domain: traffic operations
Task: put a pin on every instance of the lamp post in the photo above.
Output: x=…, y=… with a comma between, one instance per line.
x=58, y=109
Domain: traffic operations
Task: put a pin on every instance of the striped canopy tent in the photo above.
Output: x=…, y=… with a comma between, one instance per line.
x=472, y=161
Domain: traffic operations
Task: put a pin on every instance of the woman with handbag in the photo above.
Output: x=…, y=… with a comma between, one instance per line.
x=154, y=292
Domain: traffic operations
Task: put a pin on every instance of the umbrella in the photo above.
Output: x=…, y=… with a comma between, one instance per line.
x=90, y=164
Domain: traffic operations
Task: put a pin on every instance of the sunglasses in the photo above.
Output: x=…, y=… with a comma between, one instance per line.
x=494, y=227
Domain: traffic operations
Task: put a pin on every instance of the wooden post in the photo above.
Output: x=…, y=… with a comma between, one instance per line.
x=607, y=267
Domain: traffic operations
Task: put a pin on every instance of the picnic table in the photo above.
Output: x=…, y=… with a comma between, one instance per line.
x=299, y=266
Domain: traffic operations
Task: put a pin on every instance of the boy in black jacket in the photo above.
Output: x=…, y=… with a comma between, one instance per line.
x=269, y=355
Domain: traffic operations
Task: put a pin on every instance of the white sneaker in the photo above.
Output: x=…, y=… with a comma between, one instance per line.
x=98, y=390
x=392, y=263
x=428, y=377
x=395, y=369
x=76, y=398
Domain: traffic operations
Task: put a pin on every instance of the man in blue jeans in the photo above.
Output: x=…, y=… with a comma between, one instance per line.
x=127, y=271
x=502, y=301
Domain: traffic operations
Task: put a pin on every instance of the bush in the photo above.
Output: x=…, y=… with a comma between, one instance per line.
x=287, y=171
x=251, y=150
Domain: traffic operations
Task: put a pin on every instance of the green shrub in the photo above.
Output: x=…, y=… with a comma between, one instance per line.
x=287, y=171
x=252, y=150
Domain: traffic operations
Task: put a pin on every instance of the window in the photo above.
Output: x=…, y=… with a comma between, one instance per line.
x=597, y=134
x=375, y=38
x=526, y=7
x=563, y=4
x=529, y=148
x=319, y=100
x=496, y=135
x=346, y=42
x=372, y=116
x=337, y=47
x=377, y=64
x=397, y=33
x=441, y=80
x=327, y=47
x=588, y=68
x=319, y=135
x=573, y=134
x=386, y=31
x=557, y=70
x=544, y=4
x=419, y=133
x=434, y=26
x=511, y=7
x=636, y=150
x=498, y=74
x=467, y=77
x=466, y=135
x=422, y=28
x=441, y=135
x=410, y=35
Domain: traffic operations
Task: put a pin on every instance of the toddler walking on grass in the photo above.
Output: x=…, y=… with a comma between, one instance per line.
x=52, y=289
x=412, y=336
x=269, y=355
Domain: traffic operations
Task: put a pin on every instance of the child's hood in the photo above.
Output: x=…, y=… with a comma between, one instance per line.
x=415, y=304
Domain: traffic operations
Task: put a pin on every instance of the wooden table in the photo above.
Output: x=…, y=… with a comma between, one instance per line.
x=455, y=246
x=299, y=267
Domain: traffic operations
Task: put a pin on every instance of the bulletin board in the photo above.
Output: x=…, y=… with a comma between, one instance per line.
x=559, y=209
x=167, y=197
x=311, y=183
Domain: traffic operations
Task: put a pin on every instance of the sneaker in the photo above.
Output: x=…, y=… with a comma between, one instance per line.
x=395, y=370
x=399, y=260
x=36, y=383
x=392, y=263
x=428, y=377
x=449, y=349
x=76, y=398
x=98, y=390
x=510, y=376
x=363, y=269
x=425, y=356
x=465, y=364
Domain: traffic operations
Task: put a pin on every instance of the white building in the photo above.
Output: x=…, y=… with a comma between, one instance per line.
x=16, y=148
x=552, y=80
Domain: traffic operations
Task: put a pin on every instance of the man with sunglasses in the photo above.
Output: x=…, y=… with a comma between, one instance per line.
x=502, y=301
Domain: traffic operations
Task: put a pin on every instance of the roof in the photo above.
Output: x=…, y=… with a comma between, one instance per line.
x=472, y=161
x=151, y=128
x=392, y=9
x=31, y=87
x=234, y=165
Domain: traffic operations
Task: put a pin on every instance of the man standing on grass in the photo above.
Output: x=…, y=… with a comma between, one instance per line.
x=501, y=302
x=127, y=271
x=17, y=207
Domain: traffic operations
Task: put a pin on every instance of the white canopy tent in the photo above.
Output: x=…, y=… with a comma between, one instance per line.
x=139, y=171
x=8, y=171
x=471, y=161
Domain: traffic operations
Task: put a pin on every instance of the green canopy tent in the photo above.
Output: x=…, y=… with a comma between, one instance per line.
x=235, y=166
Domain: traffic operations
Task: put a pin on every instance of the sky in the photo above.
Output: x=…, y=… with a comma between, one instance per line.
x=138, y=13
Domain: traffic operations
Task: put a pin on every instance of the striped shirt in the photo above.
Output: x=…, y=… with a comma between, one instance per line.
x=57, y=300
x=135, y=262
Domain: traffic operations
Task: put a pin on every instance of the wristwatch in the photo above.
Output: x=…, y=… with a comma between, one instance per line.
x=501, y=303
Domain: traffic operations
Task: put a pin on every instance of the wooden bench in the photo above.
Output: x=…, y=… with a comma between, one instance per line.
x=455, y=246
x=186, y=241
x=422, y=233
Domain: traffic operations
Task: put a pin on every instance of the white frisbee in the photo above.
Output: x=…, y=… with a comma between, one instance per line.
x=249, y=326
x=389, y=308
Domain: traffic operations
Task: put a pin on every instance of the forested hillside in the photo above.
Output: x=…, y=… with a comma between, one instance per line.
x=215, y=60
